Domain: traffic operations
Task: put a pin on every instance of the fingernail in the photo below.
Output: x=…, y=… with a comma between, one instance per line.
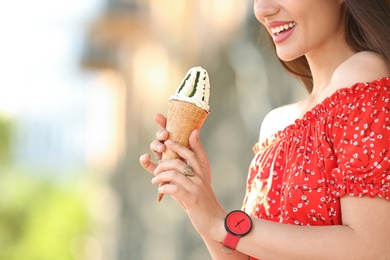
x=161, y=134
x=159, y=147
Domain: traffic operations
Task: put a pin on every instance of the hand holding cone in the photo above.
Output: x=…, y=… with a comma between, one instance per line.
x=188, y=108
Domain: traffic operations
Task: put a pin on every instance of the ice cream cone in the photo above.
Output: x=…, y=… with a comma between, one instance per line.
x=182, y=118
x=188, y=108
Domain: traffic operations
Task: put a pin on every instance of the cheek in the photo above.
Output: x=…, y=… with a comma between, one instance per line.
x=257, y=14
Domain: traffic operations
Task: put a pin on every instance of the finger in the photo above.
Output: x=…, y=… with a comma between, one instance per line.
x=160, y=120
x=185, y=153
x=179, y=165
x=176, y=192
x=157, y=149
x=181, y=150
x=197, y=147
x=167, y=177
x=162, y=135
x=147, y=164
x=170, y=165
x=181, y=188
x=171, y=186
x=174, y=182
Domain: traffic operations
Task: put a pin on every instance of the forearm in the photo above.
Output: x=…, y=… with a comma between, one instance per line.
x=364, y=235
x=269, y=240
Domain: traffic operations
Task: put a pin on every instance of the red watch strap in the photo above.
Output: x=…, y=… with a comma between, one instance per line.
x=230, y=242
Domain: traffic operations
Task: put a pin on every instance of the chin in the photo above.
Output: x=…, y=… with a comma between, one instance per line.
x=287, y=56
x=286, y=59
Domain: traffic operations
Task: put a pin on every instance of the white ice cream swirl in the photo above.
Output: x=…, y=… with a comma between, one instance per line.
x=194, y=88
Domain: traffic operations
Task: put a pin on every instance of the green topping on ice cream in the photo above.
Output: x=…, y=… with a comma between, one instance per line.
x=195, y=88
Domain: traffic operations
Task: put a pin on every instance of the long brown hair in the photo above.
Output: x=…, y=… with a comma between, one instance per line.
x=367, y=28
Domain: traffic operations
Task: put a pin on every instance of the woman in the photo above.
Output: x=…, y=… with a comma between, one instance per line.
x=322, y=165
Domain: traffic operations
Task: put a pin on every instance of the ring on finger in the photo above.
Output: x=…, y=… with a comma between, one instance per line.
x=188, y=171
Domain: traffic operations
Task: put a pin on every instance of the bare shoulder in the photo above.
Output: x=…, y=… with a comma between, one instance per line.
x=278, y=119
x=362, y=67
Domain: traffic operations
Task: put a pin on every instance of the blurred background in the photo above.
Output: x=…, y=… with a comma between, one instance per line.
x=80, y=81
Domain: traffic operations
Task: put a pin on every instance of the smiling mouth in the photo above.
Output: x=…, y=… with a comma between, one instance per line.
x=279, y=29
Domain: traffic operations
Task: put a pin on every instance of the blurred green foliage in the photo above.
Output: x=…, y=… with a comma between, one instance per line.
x=5, y=139
x=39, y=219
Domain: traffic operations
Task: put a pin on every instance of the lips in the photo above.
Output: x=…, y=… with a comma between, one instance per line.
x=281, y=30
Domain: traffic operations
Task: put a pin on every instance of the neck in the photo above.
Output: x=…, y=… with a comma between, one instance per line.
x=325, y=60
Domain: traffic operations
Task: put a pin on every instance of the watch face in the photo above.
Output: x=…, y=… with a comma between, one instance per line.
x=238, y=223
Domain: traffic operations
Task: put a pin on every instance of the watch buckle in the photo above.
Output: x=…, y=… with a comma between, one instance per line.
x=227, y=250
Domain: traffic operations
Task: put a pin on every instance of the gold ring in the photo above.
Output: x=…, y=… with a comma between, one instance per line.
x=188, y=171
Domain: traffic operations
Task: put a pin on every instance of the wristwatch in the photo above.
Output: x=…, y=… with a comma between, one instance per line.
x=237, y=224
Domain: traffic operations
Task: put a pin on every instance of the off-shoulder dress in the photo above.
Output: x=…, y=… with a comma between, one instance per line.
x=340, y=147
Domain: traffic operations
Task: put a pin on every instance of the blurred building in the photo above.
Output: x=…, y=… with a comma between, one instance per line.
x=150, y=45
x=45, y=94
x=132, y=56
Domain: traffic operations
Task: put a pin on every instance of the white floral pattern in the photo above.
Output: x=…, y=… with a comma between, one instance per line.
x=340, y=147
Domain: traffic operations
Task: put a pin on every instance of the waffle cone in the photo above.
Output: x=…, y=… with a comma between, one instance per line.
x=182, y=118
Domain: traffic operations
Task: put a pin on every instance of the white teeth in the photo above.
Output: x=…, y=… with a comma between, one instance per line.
x=279, y=29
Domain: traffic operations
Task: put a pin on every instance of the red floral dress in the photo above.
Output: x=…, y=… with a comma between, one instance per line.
x=340, y=147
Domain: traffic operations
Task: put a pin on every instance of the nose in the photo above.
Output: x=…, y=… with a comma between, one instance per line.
x=265, y=8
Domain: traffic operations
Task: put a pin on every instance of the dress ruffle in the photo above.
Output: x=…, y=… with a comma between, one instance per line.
x=360, y=186
x=340, y=147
